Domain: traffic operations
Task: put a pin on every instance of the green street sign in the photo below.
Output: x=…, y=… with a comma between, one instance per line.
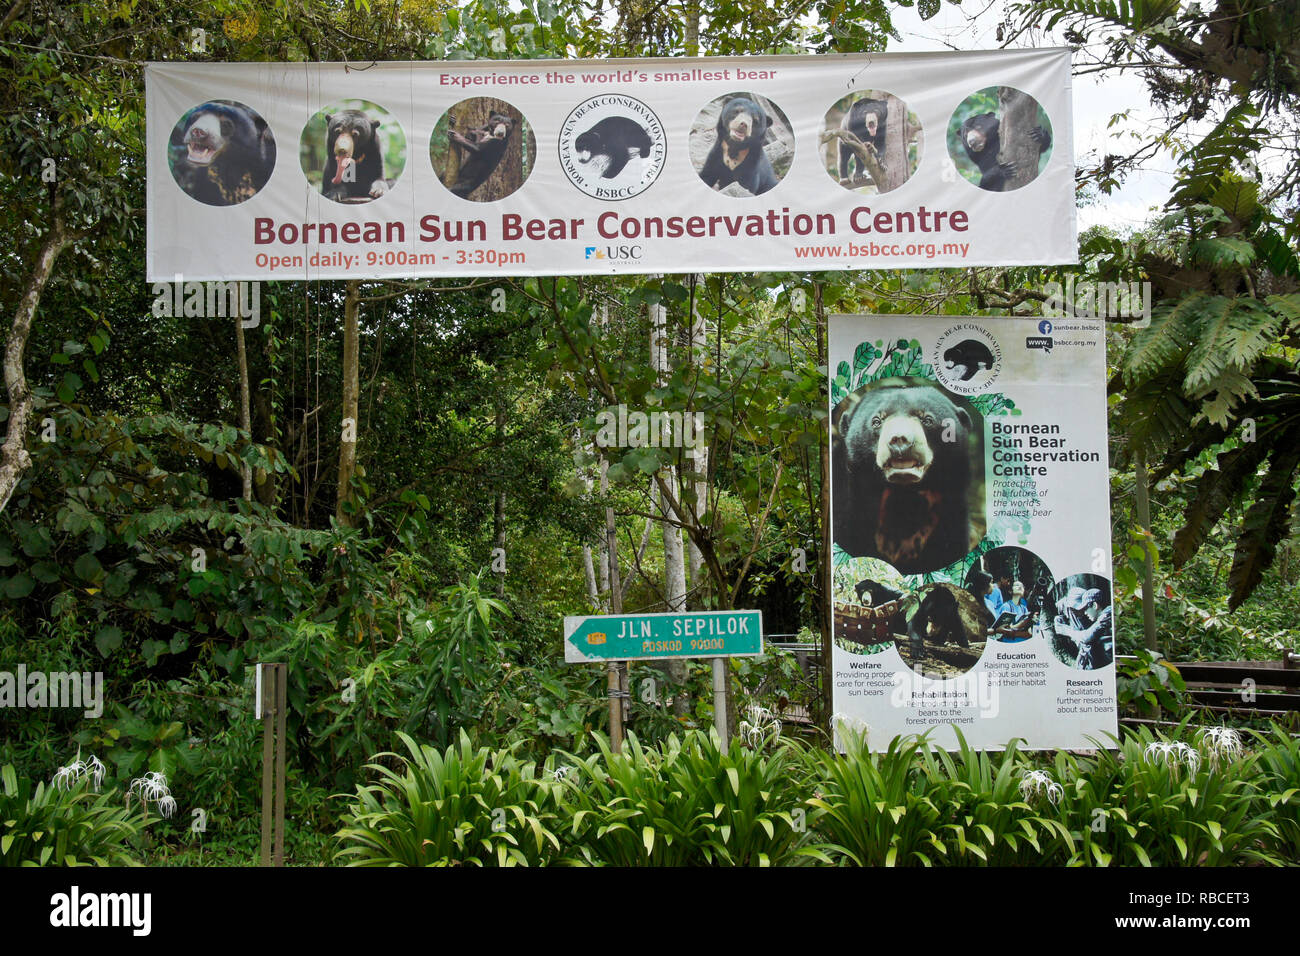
x=646, y=637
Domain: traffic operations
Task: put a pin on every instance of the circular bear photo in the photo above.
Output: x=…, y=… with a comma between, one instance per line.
x=741, y=144
x=353, y=151
x=1000, y=139
x=483, y=149
x=938, y=629
x=612, y=147
x=871, y=142
x=1078, y=623
x=221, y=153
x=907, y=478
x=1015, y=586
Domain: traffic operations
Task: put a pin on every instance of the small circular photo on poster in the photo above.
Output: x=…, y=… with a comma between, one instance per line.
x=871, y=142
x=1078, y=623
x=1000, y=139
x=483, y=149
x=612, y=147
x=353, y=151
x=871, y=602
x=938, y=629
x=741, y=144
x=221, y=153
x=1015, y=586
x=907, y=474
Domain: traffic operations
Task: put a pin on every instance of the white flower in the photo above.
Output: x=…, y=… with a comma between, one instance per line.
x=96, y=770
x=1223, y=743
x=167, y=805
x=150, y=788
x=761, y=725
x=1175, y=753
x=1035, y=783
x=560, y=772
x=65, y=777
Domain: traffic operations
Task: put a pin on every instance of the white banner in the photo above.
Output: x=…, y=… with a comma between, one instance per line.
x=565, y=167
x=971, y=527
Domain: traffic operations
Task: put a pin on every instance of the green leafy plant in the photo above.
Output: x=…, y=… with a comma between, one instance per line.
x=1278, y=760
x=45, y=825
x=462, y=806
x=1150, y=685
x=1161, y=801
x=875, y=809
x=984, y=797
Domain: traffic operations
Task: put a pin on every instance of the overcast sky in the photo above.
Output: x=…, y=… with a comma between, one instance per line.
x=1095, y=101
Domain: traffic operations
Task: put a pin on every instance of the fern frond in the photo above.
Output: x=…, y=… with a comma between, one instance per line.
x=1273, y=250
x=1155, y=414
x=1166, y=341
x=1287, y=306
x=1216, y=490
x=1222, y=252
x=1266, y=522
x=1230, y=388
x=1233, y=333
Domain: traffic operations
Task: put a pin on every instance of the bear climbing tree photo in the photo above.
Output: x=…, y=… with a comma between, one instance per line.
x=483, y=149
x=999, y=138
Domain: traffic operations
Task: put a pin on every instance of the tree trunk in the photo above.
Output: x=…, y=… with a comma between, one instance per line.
x=245, y=419
x=14, y=459
x=895, y=144
x=499, y=511
x=823, y=588
x=351, y=388
x=674, y=558
x=691, y=27
x=1019, y=114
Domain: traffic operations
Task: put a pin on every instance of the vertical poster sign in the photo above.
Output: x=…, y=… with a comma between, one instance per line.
x=970, y=515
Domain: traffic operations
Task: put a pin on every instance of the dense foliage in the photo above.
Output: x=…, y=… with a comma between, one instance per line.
x=129, y=545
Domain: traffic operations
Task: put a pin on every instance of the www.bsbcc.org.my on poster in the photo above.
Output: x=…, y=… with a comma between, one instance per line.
x=970, y=506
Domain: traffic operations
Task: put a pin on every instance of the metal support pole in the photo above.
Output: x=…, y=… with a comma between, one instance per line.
x=720, y=699
x=272, y=709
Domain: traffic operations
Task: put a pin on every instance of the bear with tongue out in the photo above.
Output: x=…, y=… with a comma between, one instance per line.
x=902, y=479
x=355, y=169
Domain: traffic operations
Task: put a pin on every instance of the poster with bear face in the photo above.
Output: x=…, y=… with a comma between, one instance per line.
x=306, y=171
x=970, y=527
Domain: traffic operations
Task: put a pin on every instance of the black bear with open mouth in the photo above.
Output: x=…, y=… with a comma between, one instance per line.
x=354, y=171
x=224, y=155
x=902, y=477
x=737, y=155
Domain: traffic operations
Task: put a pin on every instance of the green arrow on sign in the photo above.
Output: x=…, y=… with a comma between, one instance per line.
x=643, y=637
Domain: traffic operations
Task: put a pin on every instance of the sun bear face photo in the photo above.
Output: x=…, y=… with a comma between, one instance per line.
x=221, y=153
x=741, y=145
x=353, y=152
x=908, y=463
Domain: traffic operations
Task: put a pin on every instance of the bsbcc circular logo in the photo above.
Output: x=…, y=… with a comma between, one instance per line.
x=966, y=359
x=612, y=147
